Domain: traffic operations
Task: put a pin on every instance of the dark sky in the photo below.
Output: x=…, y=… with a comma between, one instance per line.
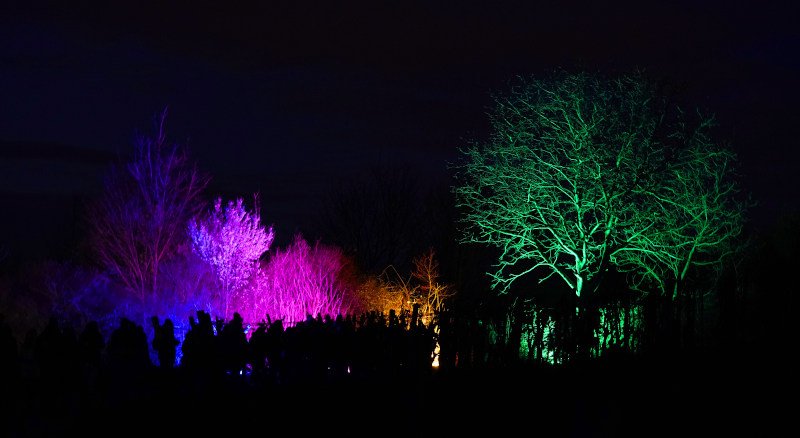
x=284, y=97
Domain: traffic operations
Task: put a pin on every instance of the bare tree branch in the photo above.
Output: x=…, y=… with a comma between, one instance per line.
x=140, y=220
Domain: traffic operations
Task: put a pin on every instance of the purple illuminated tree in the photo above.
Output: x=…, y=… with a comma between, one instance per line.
x=139, y=222
x=301, y=280
x=231, y=240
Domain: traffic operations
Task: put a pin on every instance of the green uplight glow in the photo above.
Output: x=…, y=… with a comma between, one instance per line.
x=537, y=340
x=619, y=327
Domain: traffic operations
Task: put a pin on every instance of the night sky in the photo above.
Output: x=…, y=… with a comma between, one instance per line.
x=286, y=97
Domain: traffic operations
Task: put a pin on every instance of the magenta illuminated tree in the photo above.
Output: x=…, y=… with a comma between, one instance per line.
x=301, y=280
x=231, y=240
x=139, y=221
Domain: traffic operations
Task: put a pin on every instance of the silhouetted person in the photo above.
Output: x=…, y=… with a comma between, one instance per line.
x=91, y=344
x=127, y=347
x=71, y=360
x=8, y=349
x=233, y=345
x=258, y=348
x=127, y=380
x=275, y=348
x=164, y=342
x=199, y=345
x=27, y=353
x=48, y=352
x=9, y=371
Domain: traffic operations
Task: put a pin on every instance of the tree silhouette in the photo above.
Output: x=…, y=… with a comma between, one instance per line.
x=376, y=218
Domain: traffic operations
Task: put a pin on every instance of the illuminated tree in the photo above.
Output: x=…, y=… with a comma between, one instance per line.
x=382, y=294
x=582, y=173
x=301, y=280
x=694, y=218
x=231, y=240
x=140, y=220
x=392, y=291
x=429, y=293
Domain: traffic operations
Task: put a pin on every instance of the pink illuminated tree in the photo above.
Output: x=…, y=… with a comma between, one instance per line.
x=139, y=222
x=230, y=240
x=301, y=280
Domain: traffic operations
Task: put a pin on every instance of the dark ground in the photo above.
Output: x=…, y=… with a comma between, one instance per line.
x=608, y=399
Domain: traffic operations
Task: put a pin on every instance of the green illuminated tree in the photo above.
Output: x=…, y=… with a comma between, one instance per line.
x=582, y=173
x=693, y=221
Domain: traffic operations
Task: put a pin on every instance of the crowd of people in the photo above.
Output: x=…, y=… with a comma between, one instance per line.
x=353, y=375
x=59, y=378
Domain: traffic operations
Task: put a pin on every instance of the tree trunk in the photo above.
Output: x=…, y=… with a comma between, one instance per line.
x=514, y=330
x=585, y=322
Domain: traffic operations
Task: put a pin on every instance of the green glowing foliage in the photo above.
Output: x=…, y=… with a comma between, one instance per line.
x=694, y=217
x=546, y=337
x=552, y=187
x=582, y=173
